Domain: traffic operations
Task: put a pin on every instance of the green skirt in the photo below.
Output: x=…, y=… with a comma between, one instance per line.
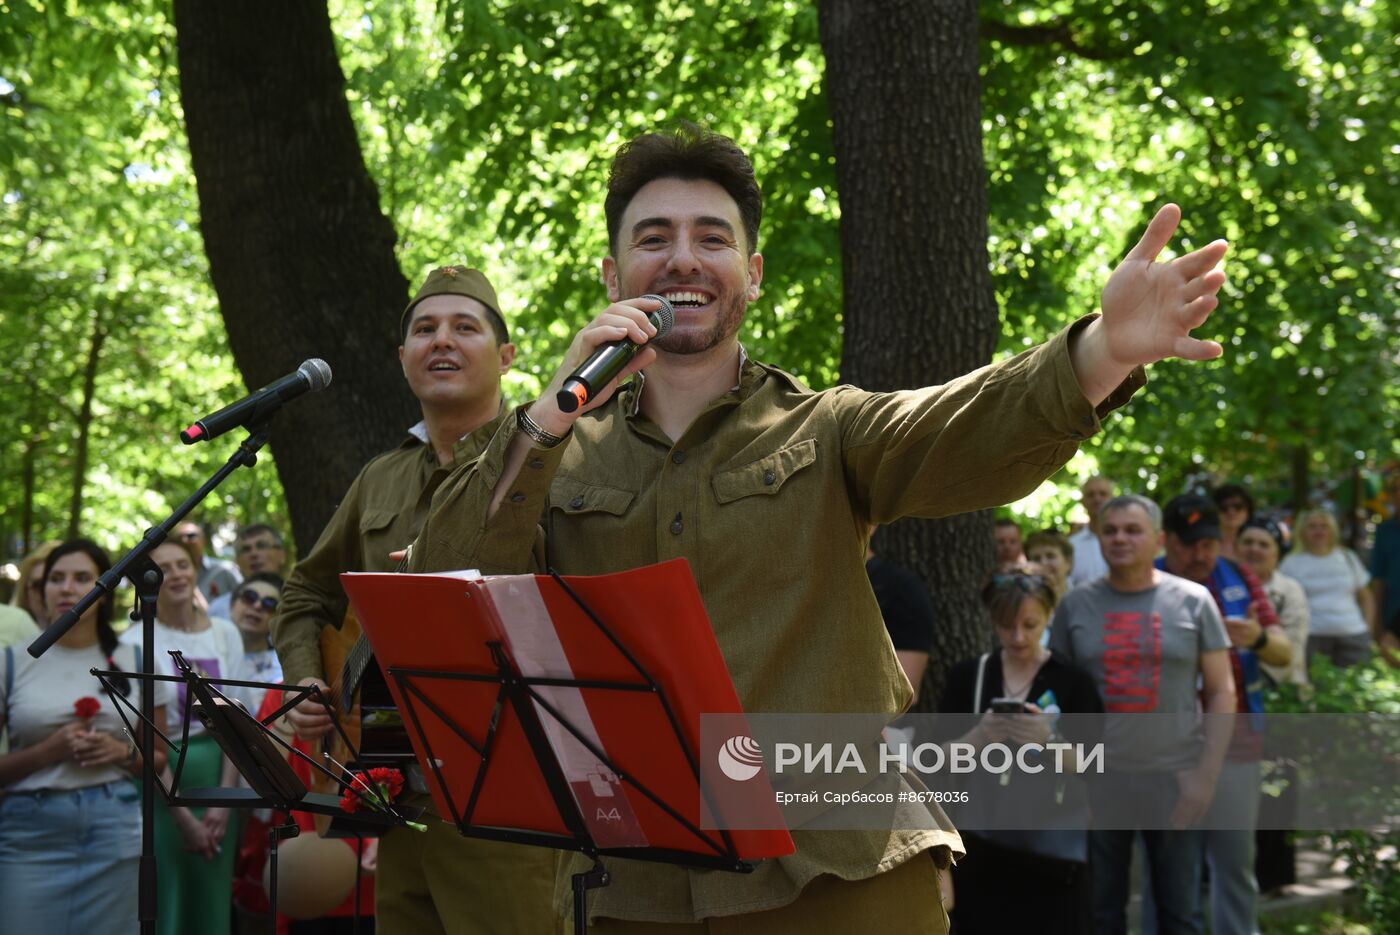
x=194, y=893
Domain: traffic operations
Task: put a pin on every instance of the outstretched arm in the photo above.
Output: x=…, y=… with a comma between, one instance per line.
x=1149, y=310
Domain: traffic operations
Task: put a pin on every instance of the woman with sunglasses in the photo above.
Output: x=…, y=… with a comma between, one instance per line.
x=1236, y=508
x=70, y=816
x=1049, y=868
x=253, y=606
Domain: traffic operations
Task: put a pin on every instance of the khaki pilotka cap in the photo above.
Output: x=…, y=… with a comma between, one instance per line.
x=459, y=280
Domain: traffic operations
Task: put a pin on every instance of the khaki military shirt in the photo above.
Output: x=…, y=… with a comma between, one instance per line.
x=768, y=495
x=382, y=512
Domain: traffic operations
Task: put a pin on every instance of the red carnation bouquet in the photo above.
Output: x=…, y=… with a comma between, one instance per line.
x=86, y=708
x=376, y=790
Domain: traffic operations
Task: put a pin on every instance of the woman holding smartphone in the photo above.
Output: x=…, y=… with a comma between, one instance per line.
x=1049, y=866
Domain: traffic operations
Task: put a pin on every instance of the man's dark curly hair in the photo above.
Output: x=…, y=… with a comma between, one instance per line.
x=687, y=152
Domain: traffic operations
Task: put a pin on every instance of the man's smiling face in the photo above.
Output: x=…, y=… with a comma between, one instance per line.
x=683, y=239
x=450, y=355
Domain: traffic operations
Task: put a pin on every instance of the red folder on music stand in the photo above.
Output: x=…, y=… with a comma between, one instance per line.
x=565, y=712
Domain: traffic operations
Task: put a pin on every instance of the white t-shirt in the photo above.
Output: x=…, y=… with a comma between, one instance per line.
x=40, y=701
x=214, y=653
x=1331, y=582
x=260, y=666
x=1088, y=558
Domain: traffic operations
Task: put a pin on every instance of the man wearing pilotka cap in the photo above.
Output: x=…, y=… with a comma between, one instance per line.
x=454, y=352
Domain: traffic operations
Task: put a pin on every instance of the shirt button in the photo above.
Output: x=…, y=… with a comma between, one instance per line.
x=768, y=478
x=517, y=497
x=576, y=503
x=678, y=457
x=676, y=525
x=536, y=463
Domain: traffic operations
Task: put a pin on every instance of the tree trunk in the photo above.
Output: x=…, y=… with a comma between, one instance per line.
x=28, y=472
x=904, y=92
x=299, y=251
x=1302, y=478
x=80, y=449
x=26, y=522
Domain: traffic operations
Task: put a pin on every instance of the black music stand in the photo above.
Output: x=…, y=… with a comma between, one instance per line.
x=256, y=751
x=520, y=693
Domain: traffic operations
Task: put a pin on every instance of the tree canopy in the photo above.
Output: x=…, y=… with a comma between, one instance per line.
x=487, y=125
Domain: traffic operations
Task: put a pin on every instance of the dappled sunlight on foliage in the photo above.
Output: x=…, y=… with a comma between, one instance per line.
x=487, y=127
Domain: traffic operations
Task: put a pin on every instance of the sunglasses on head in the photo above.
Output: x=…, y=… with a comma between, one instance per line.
x=1030, y=583
x=268, y=603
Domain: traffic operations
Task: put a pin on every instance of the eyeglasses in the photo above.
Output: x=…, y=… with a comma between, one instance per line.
x=1231, y=506
x=267, y=603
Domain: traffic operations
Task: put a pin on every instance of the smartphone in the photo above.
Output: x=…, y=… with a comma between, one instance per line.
x=1008, y=706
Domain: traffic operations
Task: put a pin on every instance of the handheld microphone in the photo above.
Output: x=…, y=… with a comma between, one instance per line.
x=313, y=374
x=605, y=363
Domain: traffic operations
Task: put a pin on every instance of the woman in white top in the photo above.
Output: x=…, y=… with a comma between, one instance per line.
x=70, y=816
x=194, y=847
x=1341, y=606
x=1259, y=545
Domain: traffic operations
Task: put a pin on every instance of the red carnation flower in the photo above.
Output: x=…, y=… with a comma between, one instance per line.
x=86, y=707
x=390, y=781
x=375, y=790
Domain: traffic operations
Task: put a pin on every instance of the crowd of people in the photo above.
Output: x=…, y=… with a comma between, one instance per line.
x=70, y=762
x=1196, y=611
x=771, y=492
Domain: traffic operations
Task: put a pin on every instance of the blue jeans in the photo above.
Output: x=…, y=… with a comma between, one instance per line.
x=68, y=860
x=1228, y=845
x=1173, y=862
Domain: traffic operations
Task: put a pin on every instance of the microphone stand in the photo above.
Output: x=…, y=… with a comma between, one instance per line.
x=146, y=576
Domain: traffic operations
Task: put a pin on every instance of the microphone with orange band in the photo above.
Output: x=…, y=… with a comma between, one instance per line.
x=605, y=363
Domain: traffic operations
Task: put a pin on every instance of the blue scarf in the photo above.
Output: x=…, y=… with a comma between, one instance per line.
x=1231, y=593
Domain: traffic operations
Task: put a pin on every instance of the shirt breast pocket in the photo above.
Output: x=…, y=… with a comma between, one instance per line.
x=766, y=476
x=574, y=498
x=376, y=532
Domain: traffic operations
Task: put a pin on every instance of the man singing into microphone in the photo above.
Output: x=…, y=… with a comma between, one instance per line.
x=767, y=489
x=455, y=349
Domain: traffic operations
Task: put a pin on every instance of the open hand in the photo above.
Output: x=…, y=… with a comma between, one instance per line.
x=1150, y=307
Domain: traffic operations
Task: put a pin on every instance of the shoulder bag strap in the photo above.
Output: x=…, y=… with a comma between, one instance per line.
x=9, y=683
x=977, y=691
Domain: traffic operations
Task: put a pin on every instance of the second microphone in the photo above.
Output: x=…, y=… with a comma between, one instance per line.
x=605, y=363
